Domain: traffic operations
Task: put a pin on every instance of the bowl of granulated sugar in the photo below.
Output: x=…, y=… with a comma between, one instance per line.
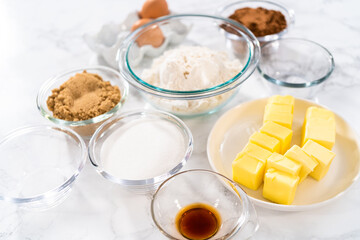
x=139, y=150
x=82, y=98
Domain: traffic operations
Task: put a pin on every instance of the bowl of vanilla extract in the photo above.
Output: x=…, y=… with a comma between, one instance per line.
x=202, y=204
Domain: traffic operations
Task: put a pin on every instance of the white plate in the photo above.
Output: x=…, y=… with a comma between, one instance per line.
x=232, y=131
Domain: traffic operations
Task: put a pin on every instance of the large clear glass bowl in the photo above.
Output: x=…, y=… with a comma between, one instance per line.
x=295, y=66
x=238, y=216
x=196, y=30
x=132, y=175
x=39, y=165
x=86, y=127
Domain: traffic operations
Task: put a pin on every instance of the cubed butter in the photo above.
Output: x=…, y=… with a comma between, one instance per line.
x=265, y=141
x=283, y=118
x=321, y=113
x=280, y=187
x=284, y=100
x=296, y=154
x=273, y=107
x=322, y=155
x=248, y=171
x=284, y=164
x=319, y=126
x=257, y=152
x=279, y=132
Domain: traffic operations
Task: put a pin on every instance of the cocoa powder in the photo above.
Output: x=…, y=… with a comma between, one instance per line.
x=83, y=96
x=260, y=21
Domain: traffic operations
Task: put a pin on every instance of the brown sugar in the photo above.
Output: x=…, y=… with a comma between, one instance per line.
x=260, y=21
x=83, y=96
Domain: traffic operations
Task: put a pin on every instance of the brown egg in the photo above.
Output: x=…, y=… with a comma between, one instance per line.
x=154, y=9
x=151, y=35
x=139, y=23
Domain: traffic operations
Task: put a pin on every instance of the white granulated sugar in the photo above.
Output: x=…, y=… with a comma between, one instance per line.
x=191, y=68
x=143, y=149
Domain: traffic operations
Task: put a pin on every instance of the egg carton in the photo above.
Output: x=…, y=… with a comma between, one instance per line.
x=108, y=40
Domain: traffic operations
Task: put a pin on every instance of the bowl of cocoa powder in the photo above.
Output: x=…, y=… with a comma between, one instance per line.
x=267, y=20
x=82, y=98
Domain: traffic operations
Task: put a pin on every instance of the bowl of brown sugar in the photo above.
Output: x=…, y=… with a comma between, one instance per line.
x=267, y=20
x=83, y=98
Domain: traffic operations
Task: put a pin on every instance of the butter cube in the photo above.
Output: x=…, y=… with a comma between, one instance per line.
x=273, y=107
x=280, y=187
x=322, y=155
x=265, y=141
x=296, y=154
x=257, y=152
x=248, y=171
x=284, y=100
x=319, y=126
x=279, y=132
x=283, y=118
x=282, y=163
x=320, y=113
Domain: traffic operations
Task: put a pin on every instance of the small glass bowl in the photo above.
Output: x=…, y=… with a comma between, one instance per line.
x=39, y=165
x=86, y=127
x=238, y=216
x=294, y=66
x=132, y=61
x=227, y=10
x=128, y=171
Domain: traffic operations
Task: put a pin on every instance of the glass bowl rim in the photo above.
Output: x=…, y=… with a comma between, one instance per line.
x=47, y=84
x=149, y=181
x=244, y=199
x=67, y=183
x=289, y=12
x=300, y=85
x=177, y=94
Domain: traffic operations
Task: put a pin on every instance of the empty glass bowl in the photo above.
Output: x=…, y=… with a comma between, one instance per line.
x=188, y=30
x=294, y=66
x=39, y=165
x=139, y=150
x=86, y=127
x=229, y=9
x=238, y=216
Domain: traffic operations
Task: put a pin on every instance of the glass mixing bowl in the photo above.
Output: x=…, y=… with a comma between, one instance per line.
x=132, y=150
x=227, y=10
x=238, y=216
x=39, y=165
x=86, y=127
x=189, y=30
x=294, y=66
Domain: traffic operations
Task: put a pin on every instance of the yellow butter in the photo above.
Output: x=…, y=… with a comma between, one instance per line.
x=320, y=113
x=279, y=132
x=322, y=155
x=284, y=100
x=265, y=141
x=283, y=118
x=319, y=126
x=255, y=151
x=280, y=187
x=248, y=171
x=296, y=154
x=273, y=107
x=282, y=163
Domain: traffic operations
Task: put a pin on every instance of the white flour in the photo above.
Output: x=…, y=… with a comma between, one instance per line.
x=189, y=68
x=143, y=149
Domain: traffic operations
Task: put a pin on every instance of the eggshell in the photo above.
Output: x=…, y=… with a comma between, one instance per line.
x=154, y=9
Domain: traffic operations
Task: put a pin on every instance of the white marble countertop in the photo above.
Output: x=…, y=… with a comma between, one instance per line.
x=41, y=38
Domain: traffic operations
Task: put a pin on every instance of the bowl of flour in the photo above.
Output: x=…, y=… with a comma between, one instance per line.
x=197, y=74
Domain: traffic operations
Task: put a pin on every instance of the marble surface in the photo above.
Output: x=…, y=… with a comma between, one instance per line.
x=41, y=38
